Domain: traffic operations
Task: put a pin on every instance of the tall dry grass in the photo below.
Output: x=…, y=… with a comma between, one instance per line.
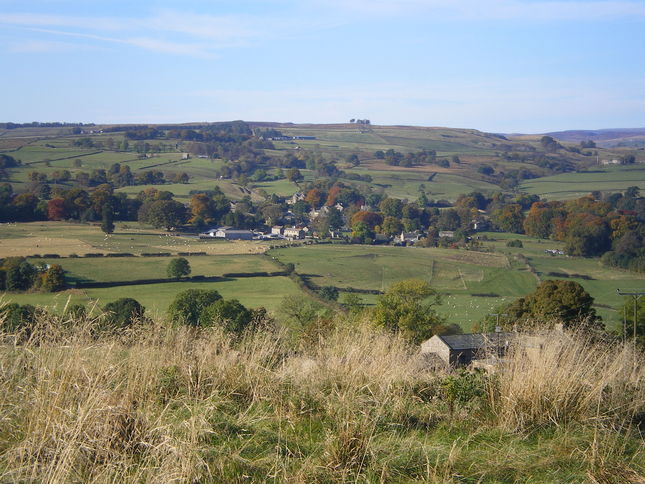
x=557, y=378
x=138, y=405
x=173, y=404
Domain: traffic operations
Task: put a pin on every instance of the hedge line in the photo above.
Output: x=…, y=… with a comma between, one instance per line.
x=255, y=274
x=141, y=282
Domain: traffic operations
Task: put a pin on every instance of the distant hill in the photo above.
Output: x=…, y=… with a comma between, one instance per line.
x=604, y=137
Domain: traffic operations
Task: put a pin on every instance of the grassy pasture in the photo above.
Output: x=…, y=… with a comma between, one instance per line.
x=33, y=154
x=575, y=185
x=182, y=190
x=252, y=292
x=458, y=274
x=602, y=286
x=461, y=275
x=110, y=269
x=401, y=138
x=406, y=184
x=67, y=238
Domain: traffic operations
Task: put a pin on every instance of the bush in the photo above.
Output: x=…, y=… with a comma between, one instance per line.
x=20, y=274
x=329, y=293
x=188, y=306
x=463, y=388
x=230, y=314
x=16, y=318
x=515, y=243
x=75, y=311
x=124, y=312
x=53, y=279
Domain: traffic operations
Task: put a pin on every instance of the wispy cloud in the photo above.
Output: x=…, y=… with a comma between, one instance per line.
x=172, y=31
x=497, y=9
x=44, y=47
x=148, y=43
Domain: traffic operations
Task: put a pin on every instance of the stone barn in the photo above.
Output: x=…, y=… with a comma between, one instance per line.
x=462, y=349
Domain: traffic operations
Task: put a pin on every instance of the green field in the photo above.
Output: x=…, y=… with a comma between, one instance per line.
x=468, y=280
x=252, y=292
x=574, y=185
x=408, y=184
x=456, y=274
x=108, y=269
x=62, y=238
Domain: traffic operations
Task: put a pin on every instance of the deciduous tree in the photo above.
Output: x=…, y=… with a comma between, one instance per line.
x=408, y=307
x=179, y=267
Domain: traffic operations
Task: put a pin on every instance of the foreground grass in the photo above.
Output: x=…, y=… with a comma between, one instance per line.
x=339, y=404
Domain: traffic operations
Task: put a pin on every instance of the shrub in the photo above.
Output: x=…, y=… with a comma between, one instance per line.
x=75, y=311
x=515, y=243
x=463, y=388
x=329, y=293
x=53, y=279
x=124, y=312
x=189, y=305
x=230, y=314
x=16, y=318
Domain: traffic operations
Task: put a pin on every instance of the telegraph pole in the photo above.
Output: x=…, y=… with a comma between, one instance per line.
x=498, y=329
x=635, y=297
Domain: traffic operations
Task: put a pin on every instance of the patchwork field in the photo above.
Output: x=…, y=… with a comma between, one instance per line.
x=472, y=283
x=574, y=185
x=252, y=292
x=60, y=238
x=408, y=184
x=456, y=274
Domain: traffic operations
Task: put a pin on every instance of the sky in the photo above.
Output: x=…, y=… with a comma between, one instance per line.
x=506, y=66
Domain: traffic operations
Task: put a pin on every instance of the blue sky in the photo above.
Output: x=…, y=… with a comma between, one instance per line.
x=494, y=65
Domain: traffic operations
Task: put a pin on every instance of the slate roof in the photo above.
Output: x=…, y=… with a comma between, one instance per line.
x=474, y=340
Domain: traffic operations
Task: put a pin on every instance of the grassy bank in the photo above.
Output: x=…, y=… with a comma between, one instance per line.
x=342, y=403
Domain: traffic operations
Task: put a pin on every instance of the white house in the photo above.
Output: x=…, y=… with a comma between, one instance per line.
x=228, y=233
x=293, y=233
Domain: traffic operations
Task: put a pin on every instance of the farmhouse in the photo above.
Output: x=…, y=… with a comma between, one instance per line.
x=295, y=198
x=382, y=239
x=228, y=233
x=409, y=237
x=447, y=234
x=480, y=224
x=293, y=233
x=462, y=349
